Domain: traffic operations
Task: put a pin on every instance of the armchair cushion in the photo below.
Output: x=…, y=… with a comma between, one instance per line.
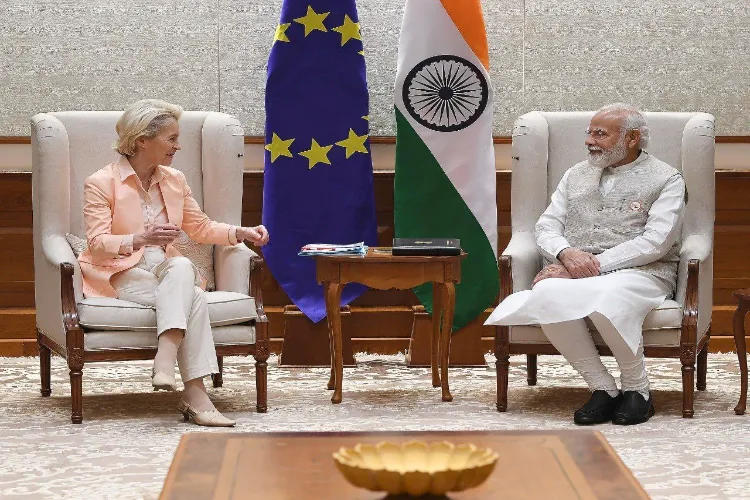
x=108, y=339
x=230, y=308
x=532, y=334
x=660, y=328
x=105, y=313
x=668, y=315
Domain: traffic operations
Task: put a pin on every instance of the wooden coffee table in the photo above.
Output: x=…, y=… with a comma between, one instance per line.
x=382, y=270
x=532, y=465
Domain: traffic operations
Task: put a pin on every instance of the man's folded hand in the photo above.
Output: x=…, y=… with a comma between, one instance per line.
x=552, y=271
x=579, y=264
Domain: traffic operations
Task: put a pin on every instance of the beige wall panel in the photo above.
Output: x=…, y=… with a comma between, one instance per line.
x=99, y=54
x=380, y=22
x=505, y=20
x=670, y=55
x=246, y=31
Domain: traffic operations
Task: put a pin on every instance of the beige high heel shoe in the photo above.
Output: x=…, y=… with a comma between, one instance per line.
x=210, y=418
x=162, y=381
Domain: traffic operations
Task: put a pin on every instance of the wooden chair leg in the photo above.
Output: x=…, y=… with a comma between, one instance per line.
x=261, y=375
x=702, y=367
x=218, y=378
x=531, y=369
x=688, y=381
x=76, y=396
x=502, y=367
x=45, y=370
x=740, y=345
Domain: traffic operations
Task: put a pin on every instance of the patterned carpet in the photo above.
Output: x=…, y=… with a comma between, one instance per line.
x=129, y=435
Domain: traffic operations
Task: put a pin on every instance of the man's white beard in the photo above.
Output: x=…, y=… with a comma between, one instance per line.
x=608, y=157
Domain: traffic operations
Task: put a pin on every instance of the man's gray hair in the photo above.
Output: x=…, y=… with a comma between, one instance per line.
x=633, y=119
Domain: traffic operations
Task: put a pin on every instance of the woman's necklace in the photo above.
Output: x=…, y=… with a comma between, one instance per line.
x=147, y=184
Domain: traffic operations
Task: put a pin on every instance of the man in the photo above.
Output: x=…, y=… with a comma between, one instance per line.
x=610, y=243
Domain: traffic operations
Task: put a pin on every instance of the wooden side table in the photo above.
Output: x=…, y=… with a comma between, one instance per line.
x=743, y=296
x=381, y=270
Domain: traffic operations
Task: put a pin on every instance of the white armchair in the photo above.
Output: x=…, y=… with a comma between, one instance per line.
x=69, y=146
x=545, y=145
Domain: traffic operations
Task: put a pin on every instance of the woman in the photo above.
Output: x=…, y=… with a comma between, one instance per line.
x=134, y=210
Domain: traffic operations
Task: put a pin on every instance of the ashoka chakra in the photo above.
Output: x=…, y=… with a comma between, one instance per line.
x=445, y=93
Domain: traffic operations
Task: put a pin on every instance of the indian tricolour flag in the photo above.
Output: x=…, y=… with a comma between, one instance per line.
x=445, y=161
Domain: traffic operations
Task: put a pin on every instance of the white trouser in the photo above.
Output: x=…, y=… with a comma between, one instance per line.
x=170, y=288
x=574, y=341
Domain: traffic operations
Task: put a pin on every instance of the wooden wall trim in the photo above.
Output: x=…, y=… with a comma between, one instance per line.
x=732, y=139
x=384, y=139
x=13, y=139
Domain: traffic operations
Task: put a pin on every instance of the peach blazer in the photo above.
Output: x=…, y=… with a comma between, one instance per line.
x=112, y=210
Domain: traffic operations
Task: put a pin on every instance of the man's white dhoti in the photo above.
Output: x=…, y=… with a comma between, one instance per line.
x=623, y=297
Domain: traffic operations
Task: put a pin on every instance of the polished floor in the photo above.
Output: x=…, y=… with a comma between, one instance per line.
x=129, y=435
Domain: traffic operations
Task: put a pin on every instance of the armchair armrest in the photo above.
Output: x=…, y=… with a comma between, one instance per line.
x=56, y=295
x=232, y=267
x=57, y=251
x=239, y=269
x=695, y=287
x=696, y=247
x=524, y=260
x=258, y=279
x=73, y=331
x=518, y=264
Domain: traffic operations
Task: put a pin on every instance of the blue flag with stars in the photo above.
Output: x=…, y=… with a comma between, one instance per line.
x=318, y=182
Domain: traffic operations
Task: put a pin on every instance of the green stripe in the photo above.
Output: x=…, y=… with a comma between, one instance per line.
x=427, y=205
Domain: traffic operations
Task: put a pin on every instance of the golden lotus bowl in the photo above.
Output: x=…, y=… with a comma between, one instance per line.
x=415, y=468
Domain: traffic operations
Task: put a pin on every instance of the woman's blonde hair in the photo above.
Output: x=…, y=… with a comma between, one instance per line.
x=144, y=118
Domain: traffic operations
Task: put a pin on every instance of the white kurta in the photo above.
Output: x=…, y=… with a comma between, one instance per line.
x=622, y=294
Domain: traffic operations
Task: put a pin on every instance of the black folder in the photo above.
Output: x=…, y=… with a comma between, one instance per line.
x=426, y=246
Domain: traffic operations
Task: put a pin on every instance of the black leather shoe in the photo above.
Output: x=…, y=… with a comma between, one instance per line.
x=634, y=409
x=599, y=409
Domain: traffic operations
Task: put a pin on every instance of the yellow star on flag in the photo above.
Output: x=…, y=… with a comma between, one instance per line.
x=279, y=147
x=354, y=143
x=366, y=117
x=317, y=154
x=312, y=21
x=280, y=35
x=349, y=30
